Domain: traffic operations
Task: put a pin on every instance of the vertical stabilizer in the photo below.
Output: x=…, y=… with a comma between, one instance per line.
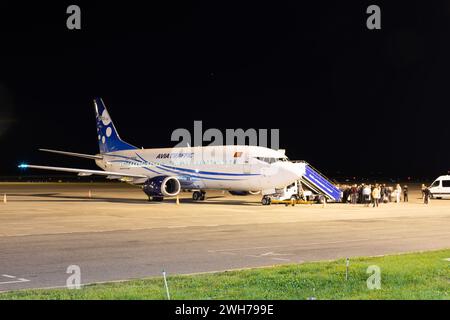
x=108, y=138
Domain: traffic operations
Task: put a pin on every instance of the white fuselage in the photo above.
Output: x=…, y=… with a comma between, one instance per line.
x=248, y=168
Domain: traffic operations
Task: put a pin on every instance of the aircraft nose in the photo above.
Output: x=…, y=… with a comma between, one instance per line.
x=297, y=170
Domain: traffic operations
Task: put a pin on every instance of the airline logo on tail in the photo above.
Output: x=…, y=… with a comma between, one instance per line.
x=108, y=137
x=104, y=119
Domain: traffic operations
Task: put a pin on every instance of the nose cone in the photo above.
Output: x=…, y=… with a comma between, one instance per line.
x=298, y=169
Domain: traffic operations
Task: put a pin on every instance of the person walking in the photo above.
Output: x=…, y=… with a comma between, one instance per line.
x=405, y=193
x=376, y=196
x=398, y=189
x=423, y=191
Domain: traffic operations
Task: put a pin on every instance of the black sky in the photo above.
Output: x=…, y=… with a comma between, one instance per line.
x=351, y=101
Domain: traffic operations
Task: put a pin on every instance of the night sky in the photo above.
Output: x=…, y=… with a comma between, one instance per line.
x=351, y=101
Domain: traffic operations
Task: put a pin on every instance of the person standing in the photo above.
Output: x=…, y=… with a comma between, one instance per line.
x=423, y=191
x=426, y=195
x=398, y=194
x=354, y=194
x=376, y=196
x=366, y=195
x=382, y=193
x=405, y=193
x=360, y=193
x=389, y=193
x=345, y=194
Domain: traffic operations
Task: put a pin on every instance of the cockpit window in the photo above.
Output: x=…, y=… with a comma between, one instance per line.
x=270, y=159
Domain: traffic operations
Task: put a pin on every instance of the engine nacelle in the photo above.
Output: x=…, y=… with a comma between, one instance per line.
x=162, y=186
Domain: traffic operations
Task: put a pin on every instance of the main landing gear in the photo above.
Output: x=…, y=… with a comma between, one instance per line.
x=199, y=195
x=157, y=199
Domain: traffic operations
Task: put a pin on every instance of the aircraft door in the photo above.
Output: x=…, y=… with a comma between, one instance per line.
x=247, y=165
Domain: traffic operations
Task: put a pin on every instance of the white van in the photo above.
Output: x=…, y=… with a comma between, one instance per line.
x=440, y=188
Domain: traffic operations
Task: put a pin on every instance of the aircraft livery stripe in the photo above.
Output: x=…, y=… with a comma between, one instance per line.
x=196, y=176
x=204, y=172
x=143, y=161
x=213, y=173
x=146, y=168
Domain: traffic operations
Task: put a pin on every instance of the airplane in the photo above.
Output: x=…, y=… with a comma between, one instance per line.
x=165, y=172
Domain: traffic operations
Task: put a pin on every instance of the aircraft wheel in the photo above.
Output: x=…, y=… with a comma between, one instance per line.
x=265, y=201
x=197, y=196
x=158, y=199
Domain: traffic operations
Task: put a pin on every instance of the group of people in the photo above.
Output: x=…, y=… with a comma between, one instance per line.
x=374, y=194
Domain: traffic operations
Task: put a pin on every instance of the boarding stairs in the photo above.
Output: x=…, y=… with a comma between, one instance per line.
x=318, y=183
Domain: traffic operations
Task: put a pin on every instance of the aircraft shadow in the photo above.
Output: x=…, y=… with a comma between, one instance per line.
x=57, y=197
x=65, y=198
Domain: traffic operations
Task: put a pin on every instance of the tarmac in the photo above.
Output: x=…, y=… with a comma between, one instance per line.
x=112, y=233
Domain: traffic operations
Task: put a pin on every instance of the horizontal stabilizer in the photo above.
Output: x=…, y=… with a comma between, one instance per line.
x=73, y=154
x=84, y=171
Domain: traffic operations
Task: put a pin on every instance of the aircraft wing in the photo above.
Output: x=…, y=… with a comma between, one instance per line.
x=85, y=172
x=73, y=154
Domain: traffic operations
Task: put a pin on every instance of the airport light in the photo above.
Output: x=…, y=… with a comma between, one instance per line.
x=23, y=166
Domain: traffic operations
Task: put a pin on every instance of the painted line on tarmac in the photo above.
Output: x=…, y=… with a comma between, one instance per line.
x=281, y=259
x=289, y=246
x=14, y=279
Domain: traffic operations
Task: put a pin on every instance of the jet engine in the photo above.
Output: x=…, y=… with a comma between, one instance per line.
x=163, y=186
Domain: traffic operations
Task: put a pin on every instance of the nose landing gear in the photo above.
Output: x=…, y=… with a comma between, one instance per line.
x=265, y=201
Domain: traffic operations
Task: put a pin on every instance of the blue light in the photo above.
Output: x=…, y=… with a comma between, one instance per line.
x=23, y=166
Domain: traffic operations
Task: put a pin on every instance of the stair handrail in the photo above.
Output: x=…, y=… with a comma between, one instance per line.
x=320, y=173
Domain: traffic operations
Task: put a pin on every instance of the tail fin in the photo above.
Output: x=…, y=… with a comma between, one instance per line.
x=108, y=138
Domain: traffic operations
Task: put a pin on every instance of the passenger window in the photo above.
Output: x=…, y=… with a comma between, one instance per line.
x=446, y=183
